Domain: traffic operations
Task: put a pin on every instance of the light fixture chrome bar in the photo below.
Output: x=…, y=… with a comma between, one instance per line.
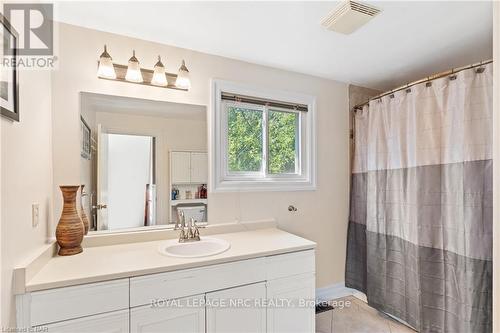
x=147, y=74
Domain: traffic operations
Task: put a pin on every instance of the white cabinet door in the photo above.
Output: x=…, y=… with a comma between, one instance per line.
x=181, y=166
x=111, y=322
x=299, y=316
x=199, y=168
x=237, y=310
x=185, y=315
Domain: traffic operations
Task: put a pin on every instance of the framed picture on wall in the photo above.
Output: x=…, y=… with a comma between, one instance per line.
x=85, y=137
x=9, y=76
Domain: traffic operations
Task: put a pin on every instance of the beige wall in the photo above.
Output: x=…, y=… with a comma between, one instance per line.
x=322, y=214
x=26, y=178
x=357, y=95
x=496, y=171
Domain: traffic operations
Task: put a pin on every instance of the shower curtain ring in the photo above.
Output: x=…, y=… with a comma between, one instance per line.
x=453, y=76
x=480, y=69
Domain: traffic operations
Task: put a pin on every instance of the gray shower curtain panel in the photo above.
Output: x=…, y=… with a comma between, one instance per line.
x=420, y=226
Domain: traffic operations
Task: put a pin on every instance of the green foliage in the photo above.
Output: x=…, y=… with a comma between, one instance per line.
x=282, y=127
x=245, y=135
x=244, y=139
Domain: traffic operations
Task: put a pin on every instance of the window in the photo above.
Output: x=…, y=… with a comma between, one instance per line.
x=261, y=140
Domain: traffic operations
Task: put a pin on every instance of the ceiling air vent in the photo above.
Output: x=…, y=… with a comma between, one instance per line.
x=349, y=16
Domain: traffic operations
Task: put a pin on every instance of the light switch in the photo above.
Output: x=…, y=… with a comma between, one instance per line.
x=35, y=214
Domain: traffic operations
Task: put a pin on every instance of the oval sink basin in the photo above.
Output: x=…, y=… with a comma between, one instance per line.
x=207, y=246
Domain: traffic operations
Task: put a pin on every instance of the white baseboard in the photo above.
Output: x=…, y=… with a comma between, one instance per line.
x=337, y=290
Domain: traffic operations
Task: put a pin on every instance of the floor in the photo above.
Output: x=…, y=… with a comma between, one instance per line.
x=352, y=315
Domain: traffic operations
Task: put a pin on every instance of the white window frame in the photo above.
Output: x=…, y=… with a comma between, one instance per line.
x=221, y=180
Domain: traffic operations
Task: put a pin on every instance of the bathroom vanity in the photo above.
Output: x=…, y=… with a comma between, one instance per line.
x=265, y=282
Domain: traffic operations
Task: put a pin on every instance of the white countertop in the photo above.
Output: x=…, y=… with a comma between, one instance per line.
x=103, y=263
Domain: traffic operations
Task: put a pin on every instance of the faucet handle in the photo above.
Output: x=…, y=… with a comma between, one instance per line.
x=182, y=219
x=195, y=224
x=181, y=222
x=190, y=228
x=182, y=236
x=196, y=233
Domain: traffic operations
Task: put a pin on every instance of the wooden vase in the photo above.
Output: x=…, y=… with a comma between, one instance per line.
x=70, y=229
x=85, y=220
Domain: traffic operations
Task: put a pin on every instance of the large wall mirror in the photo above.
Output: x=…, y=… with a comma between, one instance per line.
x=143, y=162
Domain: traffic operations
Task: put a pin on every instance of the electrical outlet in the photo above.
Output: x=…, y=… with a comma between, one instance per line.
x=35, y=214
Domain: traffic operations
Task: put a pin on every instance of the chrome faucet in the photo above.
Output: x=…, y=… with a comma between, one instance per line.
x=191, y=234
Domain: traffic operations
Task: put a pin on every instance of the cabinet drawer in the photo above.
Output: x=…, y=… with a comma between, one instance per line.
x=170, y=285
x=111, y=322
x=60, y=304
x=289, y=264
x=186, y=315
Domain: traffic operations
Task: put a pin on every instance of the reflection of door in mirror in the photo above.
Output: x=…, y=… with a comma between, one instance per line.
x=101, y=218
x=126, y=189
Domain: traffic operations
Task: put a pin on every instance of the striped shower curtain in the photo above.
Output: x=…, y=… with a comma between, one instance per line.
x=420, y=225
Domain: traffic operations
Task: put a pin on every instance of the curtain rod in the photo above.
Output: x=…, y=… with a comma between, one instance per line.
x=261, y=101
x=451, y=73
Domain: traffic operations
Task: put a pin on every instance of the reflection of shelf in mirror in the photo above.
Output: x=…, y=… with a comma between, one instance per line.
x=188, y=201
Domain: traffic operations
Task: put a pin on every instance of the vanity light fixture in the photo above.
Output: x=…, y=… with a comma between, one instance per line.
x=106, y=69
x=159, y=78
x=133, y=73
x=183, y=80
x=134, y=70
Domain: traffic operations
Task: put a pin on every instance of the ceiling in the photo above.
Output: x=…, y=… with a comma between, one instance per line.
x=407, y=41
x=142, y=107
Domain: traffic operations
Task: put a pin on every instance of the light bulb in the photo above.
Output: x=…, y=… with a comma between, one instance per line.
x=106, y=69
x=183, y=80
x=134, y=70
x=159, y=78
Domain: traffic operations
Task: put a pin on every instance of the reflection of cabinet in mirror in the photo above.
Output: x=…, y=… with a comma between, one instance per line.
x=188, y=179
x=189, y=167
